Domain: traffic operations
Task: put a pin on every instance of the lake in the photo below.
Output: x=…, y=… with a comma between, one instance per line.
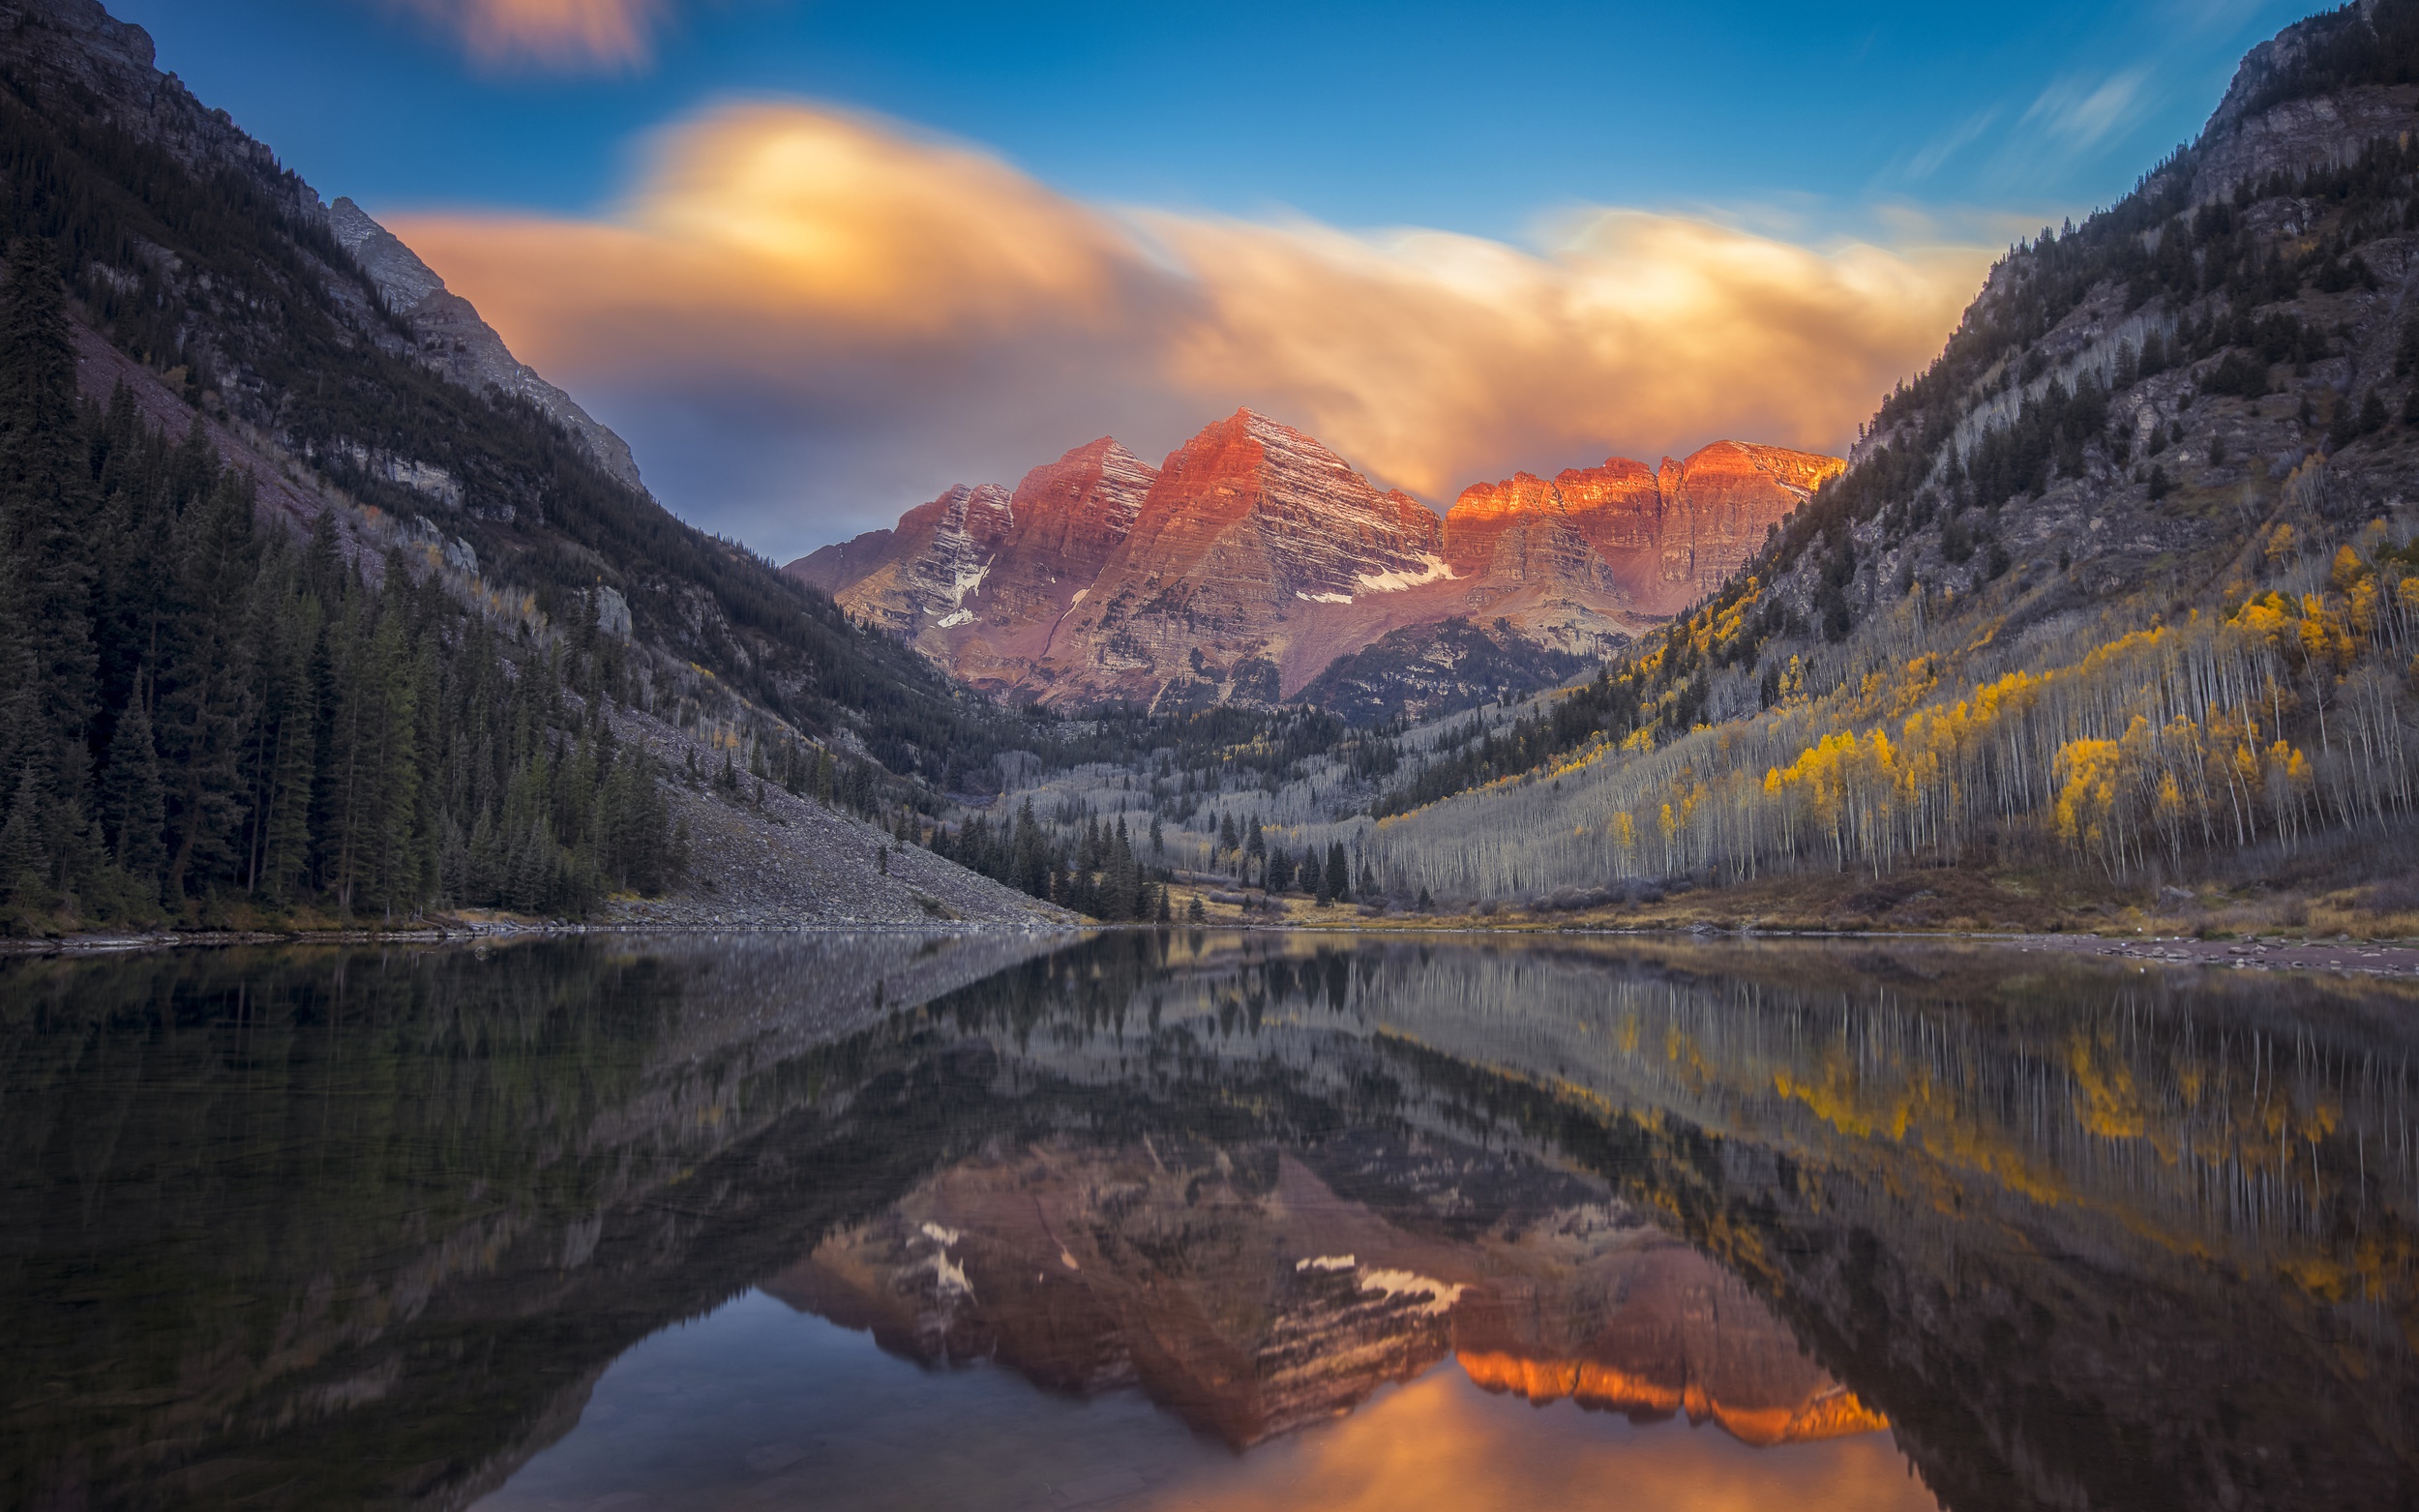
x=1202, y=1220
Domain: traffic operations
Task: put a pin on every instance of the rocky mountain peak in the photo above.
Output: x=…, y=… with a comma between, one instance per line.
x=402, y=278
x=1100, y=482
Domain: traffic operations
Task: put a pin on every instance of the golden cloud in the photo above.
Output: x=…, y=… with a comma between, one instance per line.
x=955, y=307
x=574, y=34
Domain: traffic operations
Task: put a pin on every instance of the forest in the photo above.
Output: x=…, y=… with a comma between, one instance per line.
x=209, y=720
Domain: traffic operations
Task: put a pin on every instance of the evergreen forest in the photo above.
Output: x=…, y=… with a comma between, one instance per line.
x=207, y=720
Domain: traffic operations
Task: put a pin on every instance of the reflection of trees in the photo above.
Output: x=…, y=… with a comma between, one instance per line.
x=339, y=1226
x=2087, y=1237
x=326, y=1221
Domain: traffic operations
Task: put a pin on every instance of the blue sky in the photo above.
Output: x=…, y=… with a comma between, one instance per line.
x=1812, y=125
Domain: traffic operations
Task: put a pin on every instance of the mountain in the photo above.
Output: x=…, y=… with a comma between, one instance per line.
x=317, y=603
x=1254, y=557
x=2123, y=585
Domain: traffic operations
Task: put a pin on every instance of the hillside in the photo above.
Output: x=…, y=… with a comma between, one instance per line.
x=1252, y=563
x=320, y=606
x=2120, y=590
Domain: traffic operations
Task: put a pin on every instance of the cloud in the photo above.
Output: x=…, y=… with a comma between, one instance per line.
x=2082, y=115
x=1930, y=158
x=562, y=34
x=805, y=320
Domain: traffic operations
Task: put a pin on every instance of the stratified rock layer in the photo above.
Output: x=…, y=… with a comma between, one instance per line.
x=1255, y=557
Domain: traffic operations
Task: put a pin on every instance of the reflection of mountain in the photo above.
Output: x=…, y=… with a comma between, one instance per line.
x=1241, y=1291
x=329, y=1228
x=1678, y=1334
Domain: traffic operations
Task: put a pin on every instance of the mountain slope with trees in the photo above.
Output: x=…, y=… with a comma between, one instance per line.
x=296, y=625
x=2123, y=586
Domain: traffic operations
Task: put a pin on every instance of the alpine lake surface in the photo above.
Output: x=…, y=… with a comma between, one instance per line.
x=1202, y=1220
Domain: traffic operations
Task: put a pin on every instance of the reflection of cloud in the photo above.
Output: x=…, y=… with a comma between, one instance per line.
x=909, y=304
x=610, y=34
x=2082, y=115
x=1440, y=1443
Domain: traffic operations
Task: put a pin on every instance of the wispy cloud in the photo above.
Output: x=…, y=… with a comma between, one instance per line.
x=1930, y=158
x=2081, y=114
x=572, y=35
x=876, y=314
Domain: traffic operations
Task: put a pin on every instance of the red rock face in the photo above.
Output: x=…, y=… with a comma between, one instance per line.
x=1653, y=541
x=1254, y=557
x=1068, y=518
x=1251, y=541
x=979, y=579
x=920, y=573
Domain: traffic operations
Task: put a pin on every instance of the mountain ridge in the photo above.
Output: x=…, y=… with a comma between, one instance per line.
x=1254, y=558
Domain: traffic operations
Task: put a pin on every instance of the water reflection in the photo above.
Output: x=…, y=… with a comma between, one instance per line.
x=1202, y=1220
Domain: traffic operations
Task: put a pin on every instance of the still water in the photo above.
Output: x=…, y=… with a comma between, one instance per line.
x=1202, y=1221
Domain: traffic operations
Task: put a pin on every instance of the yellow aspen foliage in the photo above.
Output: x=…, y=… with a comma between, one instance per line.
x=2348, y=569
x=2087, y=774
x=2325, y=636
x=2362, y=611
x=2267, y=617
x=2282, y=545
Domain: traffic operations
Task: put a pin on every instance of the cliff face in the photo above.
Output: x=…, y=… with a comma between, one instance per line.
x=1255, y=558
x=1622, y=539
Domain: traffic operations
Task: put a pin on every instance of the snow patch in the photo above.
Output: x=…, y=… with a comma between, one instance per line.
x=1440, y=1294
x=1326, y=1263
x=1431, y=568
x=966, y=582
x=960, y=618
x=1322, y=598
x=948, y=1276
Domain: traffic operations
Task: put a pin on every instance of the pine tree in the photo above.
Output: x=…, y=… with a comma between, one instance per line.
x=133, y=802
x=47, y=527
x=22, y=860
x=205, y=701
x=286, y=746
x=1338, y=877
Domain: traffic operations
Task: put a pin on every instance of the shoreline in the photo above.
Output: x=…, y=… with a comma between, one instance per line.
x=2346, y=957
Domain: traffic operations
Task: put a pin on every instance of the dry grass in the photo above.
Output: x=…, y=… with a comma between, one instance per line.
x=1931, y=900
